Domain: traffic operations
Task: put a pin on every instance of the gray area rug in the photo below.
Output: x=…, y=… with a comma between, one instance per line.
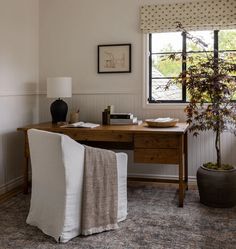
x=154, y=221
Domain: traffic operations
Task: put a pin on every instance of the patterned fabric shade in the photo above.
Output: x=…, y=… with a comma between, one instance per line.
x=200, y=15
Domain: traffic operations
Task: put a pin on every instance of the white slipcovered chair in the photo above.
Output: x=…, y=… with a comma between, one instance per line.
x=57, y=178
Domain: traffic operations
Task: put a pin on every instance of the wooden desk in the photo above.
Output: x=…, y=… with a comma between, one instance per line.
x=150, y=145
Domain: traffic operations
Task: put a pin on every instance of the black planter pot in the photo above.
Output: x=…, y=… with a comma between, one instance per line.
x=217, y=188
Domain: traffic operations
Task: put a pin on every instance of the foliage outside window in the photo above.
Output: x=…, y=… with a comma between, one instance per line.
x=211, y=79
x=162, y=69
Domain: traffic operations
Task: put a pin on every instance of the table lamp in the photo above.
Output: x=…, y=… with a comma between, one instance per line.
x=59, y=87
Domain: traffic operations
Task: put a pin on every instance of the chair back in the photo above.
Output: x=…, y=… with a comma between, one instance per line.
x=57, y=163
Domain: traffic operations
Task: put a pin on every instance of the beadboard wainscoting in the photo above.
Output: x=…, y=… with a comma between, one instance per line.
x=17, y=110
x=201, y=148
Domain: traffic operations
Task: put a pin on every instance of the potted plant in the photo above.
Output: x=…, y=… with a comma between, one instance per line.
x=211, y=87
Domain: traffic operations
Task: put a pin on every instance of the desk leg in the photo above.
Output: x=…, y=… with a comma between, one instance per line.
x=186, y=160
x=181, y=186
x=181, y=172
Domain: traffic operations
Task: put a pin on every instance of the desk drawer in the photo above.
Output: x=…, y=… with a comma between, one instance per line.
x=99, y=136
x=155, y=141
x=165, y=156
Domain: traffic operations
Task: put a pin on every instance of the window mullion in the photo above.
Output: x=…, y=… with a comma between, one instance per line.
x=150, y=67
x=216, y=44
x=184, y=66
x=216, y=49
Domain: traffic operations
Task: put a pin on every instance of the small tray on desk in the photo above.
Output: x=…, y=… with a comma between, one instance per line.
x=161, y=123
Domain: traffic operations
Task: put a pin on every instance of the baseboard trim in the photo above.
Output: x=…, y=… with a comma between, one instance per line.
x=13, y=184
x=8, y=195
x=149, y=177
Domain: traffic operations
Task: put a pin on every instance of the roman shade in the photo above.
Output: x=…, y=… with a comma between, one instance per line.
x=197, y=15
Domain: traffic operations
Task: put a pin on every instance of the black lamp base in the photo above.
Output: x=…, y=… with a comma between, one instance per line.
x=59, y=111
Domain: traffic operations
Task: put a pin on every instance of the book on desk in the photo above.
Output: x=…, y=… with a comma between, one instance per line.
x=81, y=124
x=133, y=121
x=124, y=119
x=121, y=116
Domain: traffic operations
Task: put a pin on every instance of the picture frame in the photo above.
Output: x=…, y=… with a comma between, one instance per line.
x=114, y=58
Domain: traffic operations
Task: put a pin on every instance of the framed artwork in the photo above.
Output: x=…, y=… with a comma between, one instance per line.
x=114, y=58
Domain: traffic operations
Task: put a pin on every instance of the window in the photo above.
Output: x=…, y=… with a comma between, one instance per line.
x=161, y=69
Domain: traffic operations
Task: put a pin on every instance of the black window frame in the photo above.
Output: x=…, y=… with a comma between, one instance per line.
x=184, y=54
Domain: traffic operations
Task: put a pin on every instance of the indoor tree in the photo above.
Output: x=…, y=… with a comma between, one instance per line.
x=211, y=88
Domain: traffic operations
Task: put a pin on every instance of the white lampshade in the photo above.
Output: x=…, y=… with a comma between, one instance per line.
x=59, y=87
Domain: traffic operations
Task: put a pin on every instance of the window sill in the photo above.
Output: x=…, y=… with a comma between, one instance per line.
x=166, y=106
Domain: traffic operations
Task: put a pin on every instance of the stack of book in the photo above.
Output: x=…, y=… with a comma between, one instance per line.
x=123, y=118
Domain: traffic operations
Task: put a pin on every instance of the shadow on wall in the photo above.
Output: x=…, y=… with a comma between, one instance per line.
x=12, y=158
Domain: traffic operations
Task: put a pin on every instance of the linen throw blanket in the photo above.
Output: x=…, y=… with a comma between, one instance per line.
x=100, y=191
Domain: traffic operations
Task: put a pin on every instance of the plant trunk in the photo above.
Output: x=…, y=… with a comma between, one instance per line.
x=218, y=131
x=217, y=146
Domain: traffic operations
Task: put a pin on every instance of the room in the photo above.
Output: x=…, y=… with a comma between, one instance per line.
x=58, y=38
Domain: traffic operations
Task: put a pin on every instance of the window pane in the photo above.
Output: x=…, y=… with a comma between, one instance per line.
x=234, y=97
x=206, y=36
x=229, y=56
x=227, y=40
x=166, y=42
x=160, y=93
x=162, y=66
x=195, y=58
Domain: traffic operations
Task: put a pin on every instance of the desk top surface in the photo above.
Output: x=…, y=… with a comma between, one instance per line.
x=180, y=128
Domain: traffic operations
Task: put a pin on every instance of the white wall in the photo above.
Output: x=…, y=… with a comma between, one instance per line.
x=18, y=83
x=69, y=32
x=66, y=45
